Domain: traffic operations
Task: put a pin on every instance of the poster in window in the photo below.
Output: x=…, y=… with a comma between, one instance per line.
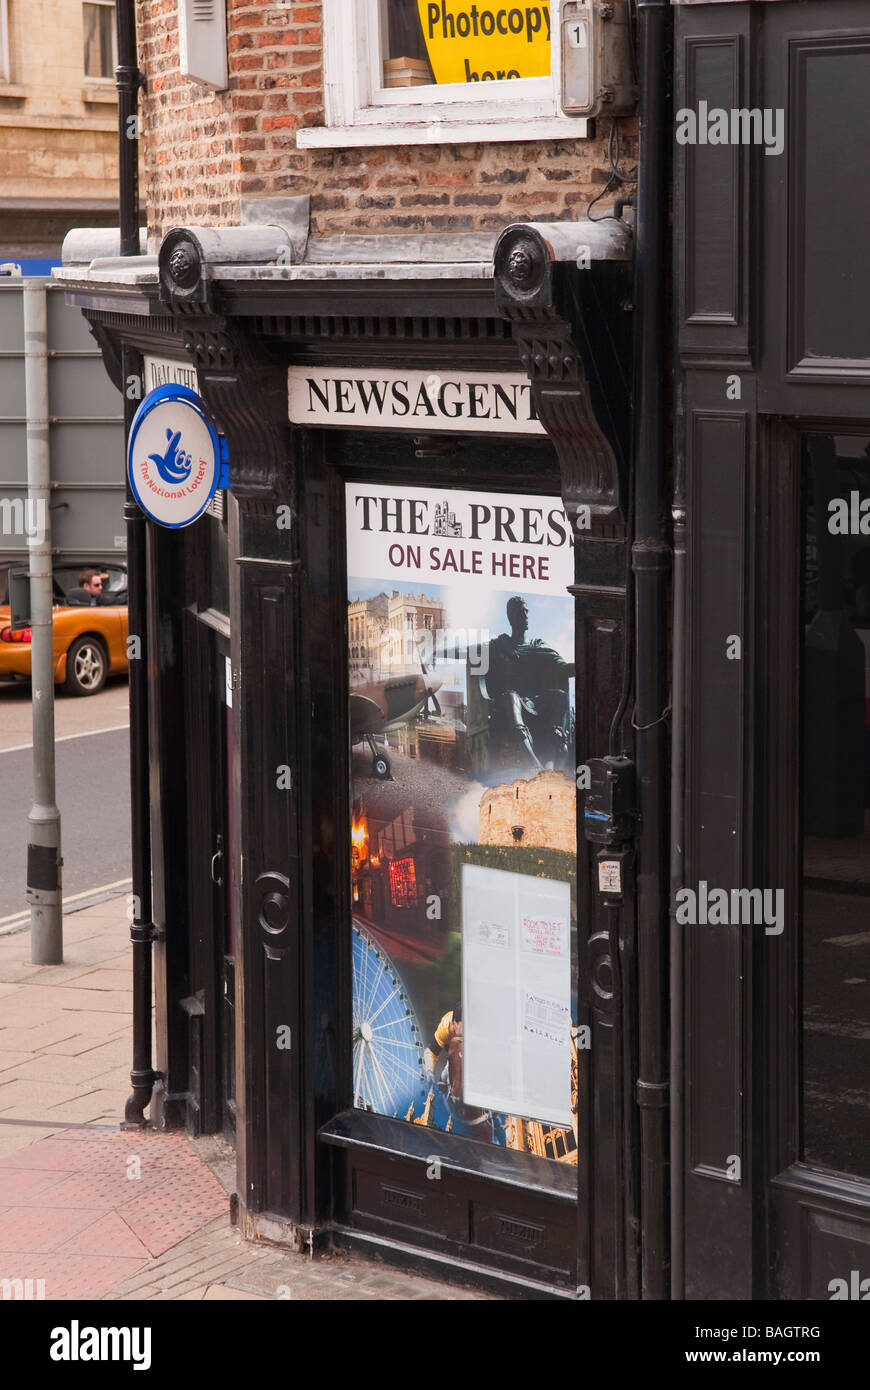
x=447, y=41
x=460, y=639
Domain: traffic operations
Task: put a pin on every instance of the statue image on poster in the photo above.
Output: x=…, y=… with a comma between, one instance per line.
x=463, y=835
x=527, y=683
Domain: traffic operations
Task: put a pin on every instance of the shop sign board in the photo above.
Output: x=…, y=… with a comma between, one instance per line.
x=376, y=398
x=463, y=836
x=166, y=371
x=175, y=458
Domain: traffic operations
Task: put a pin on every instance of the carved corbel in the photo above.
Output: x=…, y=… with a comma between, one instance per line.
x=247, y=396
x=243, y=387
x=529, y=288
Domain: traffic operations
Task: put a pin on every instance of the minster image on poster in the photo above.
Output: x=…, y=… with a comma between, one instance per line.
x=463, y=836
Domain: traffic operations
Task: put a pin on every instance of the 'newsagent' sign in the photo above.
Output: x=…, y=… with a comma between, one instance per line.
x=489, y=402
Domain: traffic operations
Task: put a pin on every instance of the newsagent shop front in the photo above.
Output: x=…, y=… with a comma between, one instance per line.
x=374, y=665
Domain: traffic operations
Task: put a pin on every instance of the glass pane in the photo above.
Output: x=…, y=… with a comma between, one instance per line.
x=836, y=797
x=99, y=40
x=455, y=41
x=463, y=836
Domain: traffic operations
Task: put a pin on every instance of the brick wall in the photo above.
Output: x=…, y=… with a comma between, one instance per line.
x=204, y=151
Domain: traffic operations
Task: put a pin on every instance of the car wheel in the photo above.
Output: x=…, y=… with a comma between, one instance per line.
x=86, y=667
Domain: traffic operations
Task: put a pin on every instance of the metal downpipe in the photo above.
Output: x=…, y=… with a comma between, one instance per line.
x=651, y=560
x=142, y=933
x=678, y=736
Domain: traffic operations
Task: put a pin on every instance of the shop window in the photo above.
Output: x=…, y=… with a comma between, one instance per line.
x=464, y=922
x=403, y=883
x=836, y=803
x=99, y=32
x=420, y=72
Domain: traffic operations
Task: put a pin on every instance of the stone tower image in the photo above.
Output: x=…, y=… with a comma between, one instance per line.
x=540, y=812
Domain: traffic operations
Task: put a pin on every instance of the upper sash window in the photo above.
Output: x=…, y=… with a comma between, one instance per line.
x=440, y=71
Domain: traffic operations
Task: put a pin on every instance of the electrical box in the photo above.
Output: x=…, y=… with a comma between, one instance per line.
x=202, y=41
x=609, y=814
x=597, y=58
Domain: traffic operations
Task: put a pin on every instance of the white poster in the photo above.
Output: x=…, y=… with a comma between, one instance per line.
x=516, y=991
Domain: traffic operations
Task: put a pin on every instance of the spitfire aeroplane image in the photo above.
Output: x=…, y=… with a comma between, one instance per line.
x=376, y=707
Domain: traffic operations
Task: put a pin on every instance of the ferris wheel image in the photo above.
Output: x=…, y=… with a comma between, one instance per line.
x=388, y=1073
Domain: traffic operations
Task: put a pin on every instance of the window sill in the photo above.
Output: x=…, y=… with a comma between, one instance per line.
x=442, y=132
x=93, y=92
x=9, y=91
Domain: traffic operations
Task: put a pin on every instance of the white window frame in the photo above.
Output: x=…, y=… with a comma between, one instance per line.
x=5, y=73
x=360, y=111
x=101, y=81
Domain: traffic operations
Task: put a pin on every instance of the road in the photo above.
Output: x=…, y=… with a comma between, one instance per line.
x=93, y=791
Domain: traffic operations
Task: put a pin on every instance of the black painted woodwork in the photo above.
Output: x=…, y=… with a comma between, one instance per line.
x=768, y=296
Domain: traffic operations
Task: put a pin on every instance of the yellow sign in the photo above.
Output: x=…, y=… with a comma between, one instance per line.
x=485, y=42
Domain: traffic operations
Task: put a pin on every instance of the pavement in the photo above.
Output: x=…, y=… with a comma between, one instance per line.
x=90, y=1211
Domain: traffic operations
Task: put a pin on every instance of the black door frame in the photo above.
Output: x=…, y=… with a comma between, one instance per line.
x=207, y=644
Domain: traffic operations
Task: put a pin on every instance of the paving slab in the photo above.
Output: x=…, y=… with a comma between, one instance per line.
x=109, y=1235
x=14, y=1138
x=39, y=1095
x=78, y=1043
x=17, y=1060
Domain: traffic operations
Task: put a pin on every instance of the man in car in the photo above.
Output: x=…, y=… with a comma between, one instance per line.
x=90, y=590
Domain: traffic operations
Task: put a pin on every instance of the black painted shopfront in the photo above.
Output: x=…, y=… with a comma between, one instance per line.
x=273, y=913
x=773, y=308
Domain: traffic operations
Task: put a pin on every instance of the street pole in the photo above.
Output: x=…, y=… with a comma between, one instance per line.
x=43, y=849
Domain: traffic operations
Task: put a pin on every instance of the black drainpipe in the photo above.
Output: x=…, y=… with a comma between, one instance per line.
x=651, y=560
x=129, y=79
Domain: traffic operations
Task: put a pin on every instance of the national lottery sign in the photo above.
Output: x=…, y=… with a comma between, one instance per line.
x=485, y=42
x=175, y=459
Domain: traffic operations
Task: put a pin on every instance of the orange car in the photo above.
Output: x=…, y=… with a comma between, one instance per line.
x=89, y=645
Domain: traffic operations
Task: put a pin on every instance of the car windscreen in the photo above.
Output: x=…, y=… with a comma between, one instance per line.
x=66, y=578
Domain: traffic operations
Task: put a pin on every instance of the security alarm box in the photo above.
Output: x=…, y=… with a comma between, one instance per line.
x=597, y=58
x=202, y=41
